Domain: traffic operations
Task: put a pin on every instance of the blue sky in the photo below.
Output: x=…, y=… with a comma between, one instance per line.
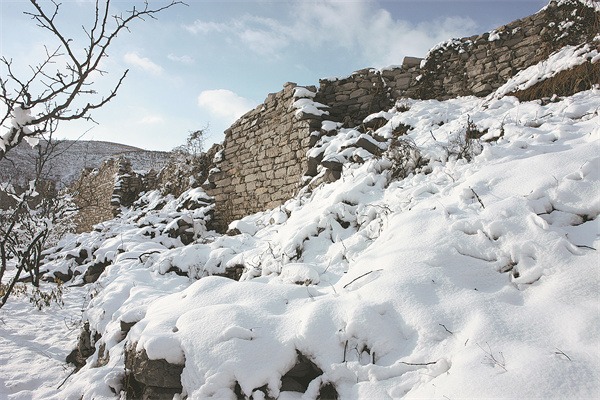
x=209, y=62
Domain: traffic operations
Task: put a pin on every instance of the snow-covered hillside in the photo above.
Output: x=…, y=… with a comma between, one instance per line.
x=461, y=263
x=71, y=157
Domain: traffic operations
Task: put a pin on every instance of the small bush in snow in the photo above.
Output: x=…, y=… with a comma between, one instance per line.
x=405, y=157
x=466, y=145
x=37, y=297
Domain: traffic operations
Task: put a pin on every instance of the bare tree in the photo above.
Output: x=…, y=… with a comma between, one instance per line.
x=60, y=87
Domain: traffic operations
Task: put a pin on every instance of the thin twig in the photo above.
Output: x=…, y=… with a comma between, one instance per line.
x=583, y=246
x=447, y=330
x=65, y=380
x=357, y=278
x=418, y=364
x=493, y=360
x=477, y=197
x=562, y=353
x=345, y=349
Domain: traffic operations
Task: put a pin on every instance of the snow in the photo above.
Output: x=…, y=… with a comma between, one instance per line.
x=303, y=103
x=494, y=36
x=588, y=3
x=452, y=282
x=20, y=120
x=21, y=117
x=302, y=92
x=307, y=106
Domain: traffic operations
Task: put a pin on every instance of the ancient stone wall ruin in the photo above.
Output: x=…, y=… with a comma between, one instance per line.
x=99, y=193
x=478, y=65
x=264, y=152
x=92, y=194
x=264, y=156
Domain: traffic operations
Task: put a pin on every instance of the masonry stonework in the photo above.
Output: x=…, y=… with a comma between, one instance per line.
x=93, y=193
x=263, y=158
x=264, y=152
x=99, y=193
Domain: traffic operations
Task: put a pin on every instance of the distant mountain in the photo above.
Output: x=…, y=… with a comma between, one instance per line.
x=71, y=157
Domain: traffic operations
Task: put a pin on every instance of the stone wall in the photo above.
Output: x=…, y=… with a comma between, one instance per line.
x=478, y=65
x=99, y=193
x=93, y=192
x=475, y=65
x=264, y=153
x=263, y=156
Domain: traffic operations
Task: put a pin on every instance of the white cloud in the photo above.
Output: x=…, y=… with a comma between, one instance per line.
x=151, y=120
x=357, y=26
x=224, y=104
x=264, y=36
x=199, y=27
x=144, y=63
x=184, y=59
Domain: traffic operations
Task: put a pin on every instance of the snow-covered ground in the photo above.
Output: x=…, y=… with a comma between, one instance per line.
x=34, y=345
x=471, y=277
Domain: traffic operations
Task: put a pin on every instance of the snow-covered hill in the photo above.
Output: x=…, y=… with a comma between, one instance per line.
x=460, y=262
x=71, y=157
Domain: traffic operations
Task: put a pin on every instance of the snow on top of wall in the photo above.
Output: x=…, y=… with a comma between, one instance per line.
x=308, y=106
x=302, y=92
x=595, y=4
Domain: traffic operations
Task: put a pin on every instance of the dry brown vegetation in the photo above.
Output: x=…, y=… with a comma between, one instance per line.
x=565, y=83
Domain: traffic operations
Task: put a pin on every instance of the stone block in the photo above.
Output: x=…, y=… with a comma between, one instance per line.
x=505, y=57
x=524, y=52
x=155, y=373
x=236, y=201
x=481, y=54
x=482, y=89
x=366, y=85
x=294, y=170
x=348, y=87
x=409, y=62
x=505, y=73
x=358, y=93
x=339, y=97
x=280, y=173
x=403, y=81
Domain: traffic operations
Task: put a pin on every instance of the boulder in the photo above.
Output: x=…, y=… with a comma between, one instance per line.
x=152, y=373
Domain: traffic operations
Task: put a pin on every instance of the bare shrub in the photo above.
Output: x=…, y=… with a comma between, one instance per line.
x=565, y=83
x=466, y=145
x=405, y=157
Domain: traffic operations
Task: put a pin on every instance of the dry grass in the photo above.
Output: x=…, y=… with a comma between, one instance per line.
x=565, y=83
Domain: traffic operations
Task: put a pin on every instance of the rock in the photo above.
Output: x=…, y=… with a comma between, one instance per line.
x=409, y=62
x=126, y=326
x=158, y=393
x=376, y=123
x=62, y=276
x=94, y=271
x=85, y=347
x=234, y=272
x=368, y=145
x=331, y=176
x=333, y=165
x=153, y=373
x=312, y=164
